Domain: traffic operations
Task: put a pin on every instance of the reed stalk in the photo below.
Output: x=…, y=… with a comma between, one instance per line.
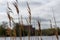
x=56, y=30
x=27, y=21
x=22, y=23
x=51, y=24
x=51, y=27
x=16, y=6
x=14, y=31
x=35, y=30
x=21, y=28
x=10, y=18
x=29, y=11
x=17, y=10
x=9, y=21
x=40, y=31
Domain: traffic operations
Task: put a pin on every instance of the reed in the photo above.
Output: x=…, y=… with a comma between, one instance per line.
x=16, y=6
x=8, y=15
x=14, y=30
x=27, y=21
x=11, y=20
x=35, y=30
x=14, y=34
x=22, y=23
x=17, y=10
x=8, y=12
x=21, y=19
x=17, y=1
x=29, y=11
x=39, y=25
x=51, y=24
x=56, y=30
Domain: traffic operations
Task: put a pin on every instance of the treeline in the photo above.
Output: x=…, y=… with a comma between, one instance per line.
x=50, y=32
x=5, y=31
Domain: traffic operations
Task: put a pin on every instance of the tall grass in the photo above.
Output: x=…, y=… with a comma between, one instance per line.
x=8, y=15
x=17, y=10
x=16, y=6
x=22, y=23
x=29, y=11
x=56, y=30
x=10, y=19
x=14, y=30
x=39, y=25
x=21, y=19
x=51, y=27
x=50, y=24
x=29, y=23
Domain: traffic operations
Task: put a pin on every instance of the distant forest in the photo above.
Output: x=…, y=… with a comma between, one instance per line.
x=5, y=31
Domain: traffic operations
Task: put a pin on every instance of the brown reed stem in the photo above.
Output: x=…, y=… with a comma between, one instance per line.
x=51, y=24
x=29, y=11
x=40, y=31
x=56, y=31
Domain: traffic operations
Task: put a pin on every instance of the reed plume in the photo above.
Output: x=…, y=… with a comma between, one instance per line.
x=17, y=10
x=10, y=19
x=9, y=9
x=8, y=16
x=9, y=22
x=29, y=11
x=16, y=6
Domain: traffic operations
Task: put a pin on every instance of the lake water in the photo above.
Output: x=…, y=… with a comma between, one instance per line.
x=31, y=38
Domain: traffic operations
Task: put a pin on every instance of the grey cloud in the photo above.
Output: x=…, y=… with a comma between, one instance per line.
x=23, y=4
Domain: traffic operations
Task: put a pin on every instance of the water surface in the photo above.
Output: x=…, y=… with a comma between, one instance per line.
x=31, y=38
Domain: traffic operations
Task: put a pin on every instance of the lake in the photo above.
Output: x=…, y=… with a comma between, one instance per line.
x=31, y=38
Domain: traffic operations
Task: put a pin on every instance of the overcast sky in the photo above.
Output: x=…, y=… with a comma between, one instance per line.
x=39, y=8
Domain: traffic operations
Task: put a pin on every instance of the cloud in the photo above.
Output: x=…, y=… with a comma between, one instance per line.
x=39, y=8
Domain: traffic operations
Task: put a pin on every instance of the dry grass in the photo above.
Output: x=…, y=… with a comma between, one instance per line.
x=51, y=24
x=56, y=30
x=22, y=23
x=10, y=19
x=28, y=21
x=17, y=10
x=29, y=11
x=16, y=6
x=40, y=32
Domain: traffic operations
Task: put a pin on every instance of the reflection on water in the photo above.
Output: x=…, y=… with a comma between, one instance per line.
x=31, y=38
